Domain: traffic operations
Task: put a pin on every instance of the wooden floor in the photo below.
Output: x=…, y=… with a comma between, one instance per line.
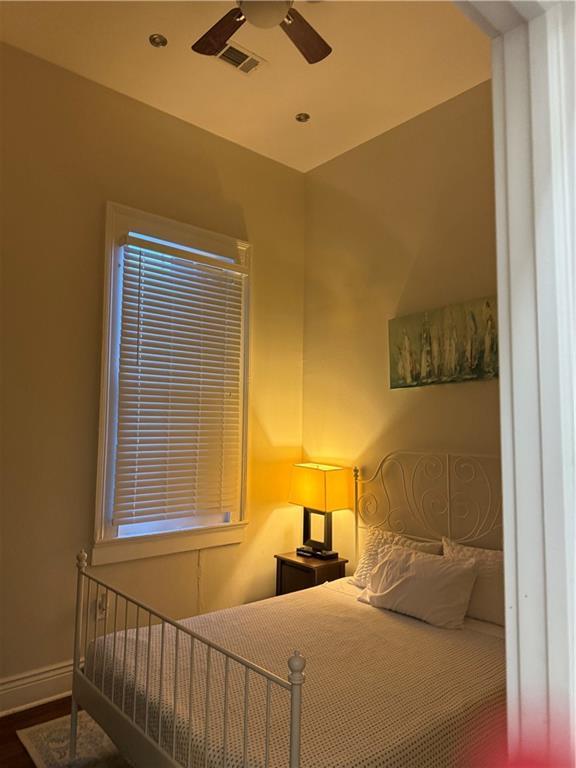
x=12, y=753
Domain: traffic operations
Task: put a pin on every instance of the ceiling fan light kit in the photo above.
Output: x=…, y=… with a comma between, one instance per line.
x=265, y=14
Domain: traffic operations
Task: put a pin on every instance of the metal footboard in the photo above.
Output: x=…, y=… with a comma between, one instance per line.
x=170, y=697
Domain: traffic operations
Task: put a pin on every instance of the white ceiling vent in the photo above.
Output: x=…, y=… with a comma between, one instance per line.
x=243, y=60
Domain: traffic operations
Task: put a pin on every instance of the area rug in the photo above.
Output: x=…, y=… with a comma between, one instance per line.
x=48, y=743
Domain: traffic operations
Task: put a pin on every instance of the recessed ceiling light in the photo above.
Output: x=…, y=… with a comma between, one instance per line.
x=302, y=117
x=158, y=41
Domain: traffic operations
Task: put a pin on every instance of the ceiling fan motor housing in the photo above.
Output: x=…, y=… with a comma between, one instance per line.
x=265, y=14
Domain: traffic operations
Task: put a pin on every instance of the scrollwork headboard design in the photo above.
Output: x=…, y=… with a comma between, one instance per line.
x=430, y=495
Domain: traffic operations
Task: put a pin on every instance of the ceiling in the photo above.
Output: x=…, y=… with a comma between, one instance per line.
x=391, y=62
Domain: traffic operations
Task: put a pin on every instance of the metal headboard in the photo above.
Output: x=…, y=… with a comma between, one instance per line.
x=430, y=495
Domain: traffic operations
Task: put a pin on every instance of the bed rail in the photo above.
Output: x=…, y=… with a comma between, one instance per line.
x=118, y=637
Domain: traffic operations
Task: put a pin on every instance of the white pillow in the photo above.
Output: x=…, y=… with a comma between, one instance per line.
x=375, y=540
x=434, y=589
x=487, y=601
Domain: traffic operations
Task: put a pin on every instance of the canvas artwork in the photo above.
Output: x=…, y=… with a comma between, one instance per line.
x=455, y=343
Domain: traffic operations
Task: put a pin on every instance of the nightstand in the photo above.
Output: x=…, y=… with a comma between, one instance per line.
x=294, y=572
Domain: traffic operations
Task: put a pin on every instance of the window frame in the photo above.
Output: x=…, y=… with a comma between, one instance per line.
x=120, y=221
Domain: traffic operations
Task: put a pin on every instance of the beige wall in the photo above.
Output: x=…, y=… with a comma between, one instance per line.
x=400, y=224
x=69, y=146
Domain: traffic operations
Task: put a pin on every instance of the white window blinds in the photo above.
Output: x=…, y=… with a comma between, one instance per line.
x=179, y=438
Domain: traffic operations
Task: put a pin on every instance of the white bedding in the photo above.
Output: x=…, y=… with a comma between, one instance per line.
x=382, y=690
x=345, y=587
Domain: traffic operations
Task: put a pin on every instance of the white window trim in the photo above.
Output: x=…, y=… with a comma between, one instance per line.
x=120, y=220
x=136, y=547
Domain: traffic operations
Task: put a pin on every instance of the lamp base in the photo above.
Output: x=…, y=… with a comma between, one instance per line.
x=319, y=554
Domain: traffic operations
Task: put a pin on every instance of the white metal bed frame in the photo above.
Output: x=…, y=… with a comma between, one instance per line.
x=423, y=495
x=430, y=495
x=138, y=744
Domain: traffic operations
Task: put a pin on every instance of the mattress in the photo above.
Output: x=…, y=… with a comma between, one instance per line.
x=382, y=690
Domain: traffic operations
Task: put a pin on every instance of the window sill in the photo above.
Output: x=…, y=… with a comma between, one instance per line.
x=137, y=547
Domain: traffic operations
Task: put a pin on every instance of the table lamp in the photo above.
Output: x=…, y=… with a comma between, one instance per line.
x=320, y=489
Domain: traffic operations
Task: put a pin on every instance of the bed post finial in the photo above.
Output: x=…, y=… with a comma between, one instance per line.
x=296, y=664
x=82, y=560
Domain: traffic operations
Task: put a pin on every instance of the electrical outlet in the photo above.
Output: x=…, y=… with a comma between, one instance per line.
x=102, y=607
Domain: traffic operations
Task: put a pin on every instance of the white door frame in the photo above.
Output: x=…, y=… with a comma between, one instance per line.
x=533, y=101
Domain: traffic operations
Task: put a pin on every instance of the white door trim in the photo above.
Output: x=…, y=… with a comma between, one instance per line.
x=533, y=99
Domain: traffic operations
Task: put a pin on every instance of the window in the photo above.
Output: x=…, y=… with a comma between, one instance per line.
x=172, y=423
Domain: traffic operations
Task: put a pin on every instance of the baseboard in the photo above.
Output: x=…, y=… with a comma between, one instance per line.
x=35, y=687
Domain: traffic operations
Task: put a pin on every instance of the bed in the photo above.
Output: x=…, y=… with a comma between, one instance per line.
x=381, y=690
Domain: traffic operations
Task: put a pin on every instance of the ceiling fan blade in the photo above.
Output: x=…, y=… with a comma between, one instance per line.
x=305, y=37
x=217, y=36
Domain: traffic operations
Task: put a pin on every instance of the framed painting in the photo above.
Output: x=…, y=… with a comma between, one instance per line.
x=440, y=346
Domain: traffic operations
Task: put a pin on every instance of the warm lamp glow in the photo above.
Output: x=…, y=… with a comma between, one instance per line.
x=320, y=486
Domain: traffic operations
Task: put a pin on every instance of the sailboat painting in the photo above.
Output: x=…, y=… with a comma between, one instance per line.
x=451, y=344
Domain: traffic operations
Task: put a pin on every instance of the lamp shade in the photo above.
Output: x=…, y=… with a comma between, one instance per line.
x=320, y=486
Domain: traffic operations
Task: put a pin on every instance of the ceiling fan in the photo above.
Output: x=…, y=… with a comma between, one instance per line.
x=265, y=14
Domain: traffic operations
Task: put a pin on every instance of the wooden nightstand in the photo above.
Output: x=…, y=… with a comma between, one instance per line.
x=294, y=572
